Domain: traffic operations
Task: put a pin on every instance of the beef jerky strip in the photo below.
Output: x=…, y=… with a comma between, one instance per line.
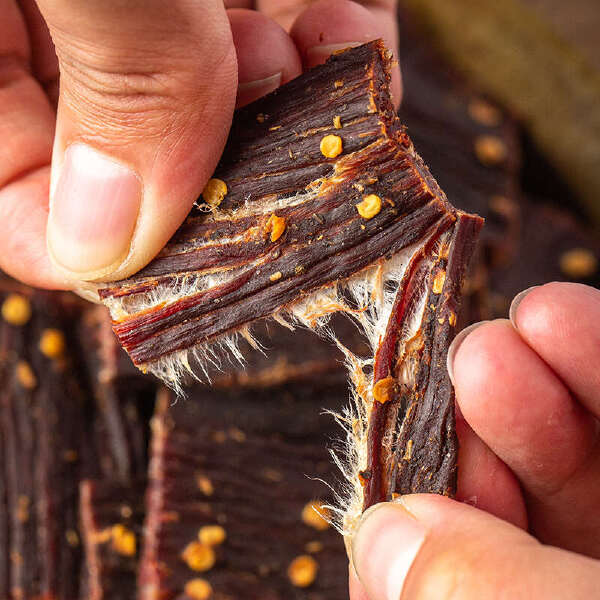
x=111, y=516
x=412, y=441
x=120, y=392
x=224, y=270
x=42, y=410
x=230, y=504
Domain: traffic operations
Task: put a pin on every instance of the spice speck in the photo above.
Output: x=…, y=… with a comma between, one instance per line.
x=52, y=343
x=314, y=514
x=198, y=589
x=383, y=389
x=16, y=310
x=578, y=263
x=303, y=571
x=214, y=192
x=275, y=226
x=212, y=535
x=331, y=146
x=198, y=557
x=369, y=207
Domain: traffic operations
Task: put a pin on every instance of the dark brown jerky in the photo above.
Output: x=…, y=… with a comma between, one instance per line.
x=273, y=154
x=111, y=517
x=414, y=403
x=246, y=462
x=122, y=398
x=42, y=408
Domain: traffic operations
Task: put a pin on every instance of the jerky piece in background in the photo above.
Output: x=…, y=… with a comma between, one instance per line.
x=231, y=494
x=123, y=401
x=111, y=516
x=42, y=415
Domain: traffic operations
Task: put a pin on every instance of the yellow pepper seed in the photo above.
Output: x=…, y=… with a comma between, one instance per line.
x=52, y=343
x=199, y=557
x=331, y=146
x=276, y=276
x=303, y=571
x=578, y=263
x=205, y=485
x=214, y=192
x=212, y=535
x=490, y=150
x=16, y=310
x=198, y=589
x=369, y=207
x=123, y=540
x=25, y=375
x=383, y=389
x=337, y=122
x=315, y=515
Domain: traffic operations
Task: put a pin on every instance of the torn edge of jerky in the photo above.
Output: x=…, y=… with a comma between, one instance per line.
x=300, y=226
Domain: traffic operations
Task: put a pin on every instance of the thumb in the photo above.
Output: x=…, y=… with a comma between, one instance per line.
x=427, y=546
x=147, y=91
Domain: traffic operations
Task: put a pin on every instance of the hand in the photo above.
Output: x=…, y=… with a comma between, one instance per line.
x=96, y=179
x=529, y=396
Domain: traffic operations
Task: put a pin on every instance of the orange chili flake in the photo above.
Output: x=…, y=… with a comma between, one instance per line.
x=276, y=226
x=276, y=276
x=198, y=557
x=16, y=310
x=382, y=390
x=315, y=515
x=331, y=146
x=369, y=207
x=303, y=570
x=214, y=191
x=198, y=589
x=438, y=282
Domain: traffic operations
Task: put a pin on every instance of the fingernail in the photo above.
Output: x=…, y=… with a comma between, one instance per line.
x=455, y=345
x=93, y=213
x=319, y=54
x=251, y=90
x=514, y=305
x=384, y=548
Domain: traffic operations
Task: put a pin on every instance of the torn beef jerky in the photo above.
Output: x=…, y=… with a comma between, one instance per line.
x=41, y=408
x=111, y=516
x=222, y=271
x=232, y=483
x=321, y=205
